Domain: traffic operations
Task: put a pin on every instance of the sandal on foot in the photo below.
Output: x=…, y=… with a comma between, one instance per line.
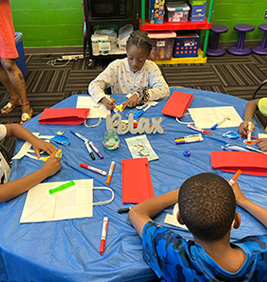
x=9, y=107
x=25, y=117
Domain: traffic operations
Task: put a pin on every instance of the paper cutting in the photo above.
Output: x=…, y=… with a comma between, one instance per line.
x=140, y=147
x=26, y=150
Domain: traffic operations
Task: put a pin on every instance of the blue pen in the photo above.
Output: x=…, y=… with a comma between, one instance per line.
x=220, y=122
x=85, y=142
x=96, y=150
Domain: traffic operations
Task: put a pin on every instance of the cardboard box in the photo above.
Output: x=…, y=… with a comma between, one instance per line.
x=198, y=10
x=156, y=11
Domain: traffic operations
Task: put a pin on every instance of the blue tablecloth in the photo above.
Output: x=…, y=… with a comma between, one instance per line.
x=68, y=250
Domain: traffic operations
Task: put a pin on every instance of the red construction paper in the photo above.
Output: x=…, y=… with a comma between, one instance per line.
x=136, y=181
x=63, y=116
x=177, y=104
x=248, y=162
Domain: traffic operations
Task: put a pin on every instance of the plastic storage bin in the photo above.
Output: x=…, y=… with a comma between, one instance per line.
x=186, y=45
x=177, y=11
x=162, y=45
x=21, y=63
x=156, y=11
x=198, y=10
x=124, y=33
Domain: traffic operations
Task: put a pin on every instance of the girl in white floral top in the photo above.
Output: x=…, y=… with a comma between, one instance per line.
x=134, y=75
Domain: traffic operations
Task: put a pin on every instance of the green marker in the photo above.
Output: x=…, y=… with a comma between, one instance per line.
x=62, y=187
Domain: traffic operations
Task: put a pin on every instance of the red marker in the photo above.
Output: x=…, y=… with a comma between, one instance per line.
x=198, y=129
x=103, y=235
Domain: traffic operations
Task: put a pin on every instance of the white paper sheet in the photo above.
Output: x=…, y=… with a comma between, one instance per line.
x=172, y=218
x=72, y=202
x=262, y=135
x=207, y=117
x=96, y=109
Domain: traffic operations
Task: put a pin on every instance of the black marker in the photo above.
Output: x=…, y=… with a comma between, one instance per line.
x=123, y=210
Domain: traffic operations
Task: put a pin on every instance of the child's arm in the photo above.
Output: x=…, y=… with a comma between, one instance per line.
x=15, y=188
x=159, y=89
x=108, y=103
x=21, y=132
x=142, y=213
x=103, y=81
x=262, y=144
x=257, y=211
x=250, y=110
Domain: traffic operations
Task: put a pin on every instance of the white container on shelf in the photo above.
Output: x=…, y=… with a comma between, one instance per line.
x=112, y=37
x=104, y=45
x=178, y=11
x=95, y=44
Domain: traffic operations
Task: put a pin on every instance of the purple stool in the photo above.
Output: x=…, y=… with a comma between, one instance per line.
x=214, y=50
x=262, y=50
x=240, y=49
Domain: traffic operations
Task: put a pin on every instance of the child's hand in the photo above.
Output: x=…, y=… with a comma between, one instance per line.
x=41, y=145
x=243, y=127
x=131, y=102
x=108, y=103
x=51, y=166
x=262, y=144
x=240, y=198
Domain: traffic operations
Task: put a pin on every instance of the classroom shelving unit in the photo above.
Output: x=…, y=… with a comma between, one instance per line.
x=131, y=18
x=145, y=25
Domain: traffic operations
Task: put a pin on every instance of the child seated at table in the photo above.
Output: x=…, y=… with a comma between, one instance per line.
x=251, y=107
x=134, y=75
x=12, y=189
x=207, y=206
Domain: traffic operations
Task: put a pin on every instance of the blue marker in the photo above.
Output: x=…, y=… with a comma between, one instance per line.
x=79, y=135
x=85, y=142
x=220, y=122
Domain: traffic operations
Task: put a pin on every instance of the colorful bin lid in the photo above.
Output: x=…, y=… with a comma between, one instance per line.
x=177, y=6
x=161, y=34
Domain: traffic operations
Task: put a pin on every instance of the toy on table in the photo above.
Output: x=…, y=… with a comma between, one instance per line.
x=60, y=138
x=231, y=134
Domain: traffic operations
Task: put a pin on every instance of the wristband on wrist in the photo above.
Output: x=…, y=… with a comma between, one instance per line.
x=144, y=96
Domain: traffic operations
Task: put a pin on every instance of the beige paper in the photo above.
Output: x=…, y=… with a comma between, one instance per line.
x=97, y=110
x=72, y=202
x=207, y=117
